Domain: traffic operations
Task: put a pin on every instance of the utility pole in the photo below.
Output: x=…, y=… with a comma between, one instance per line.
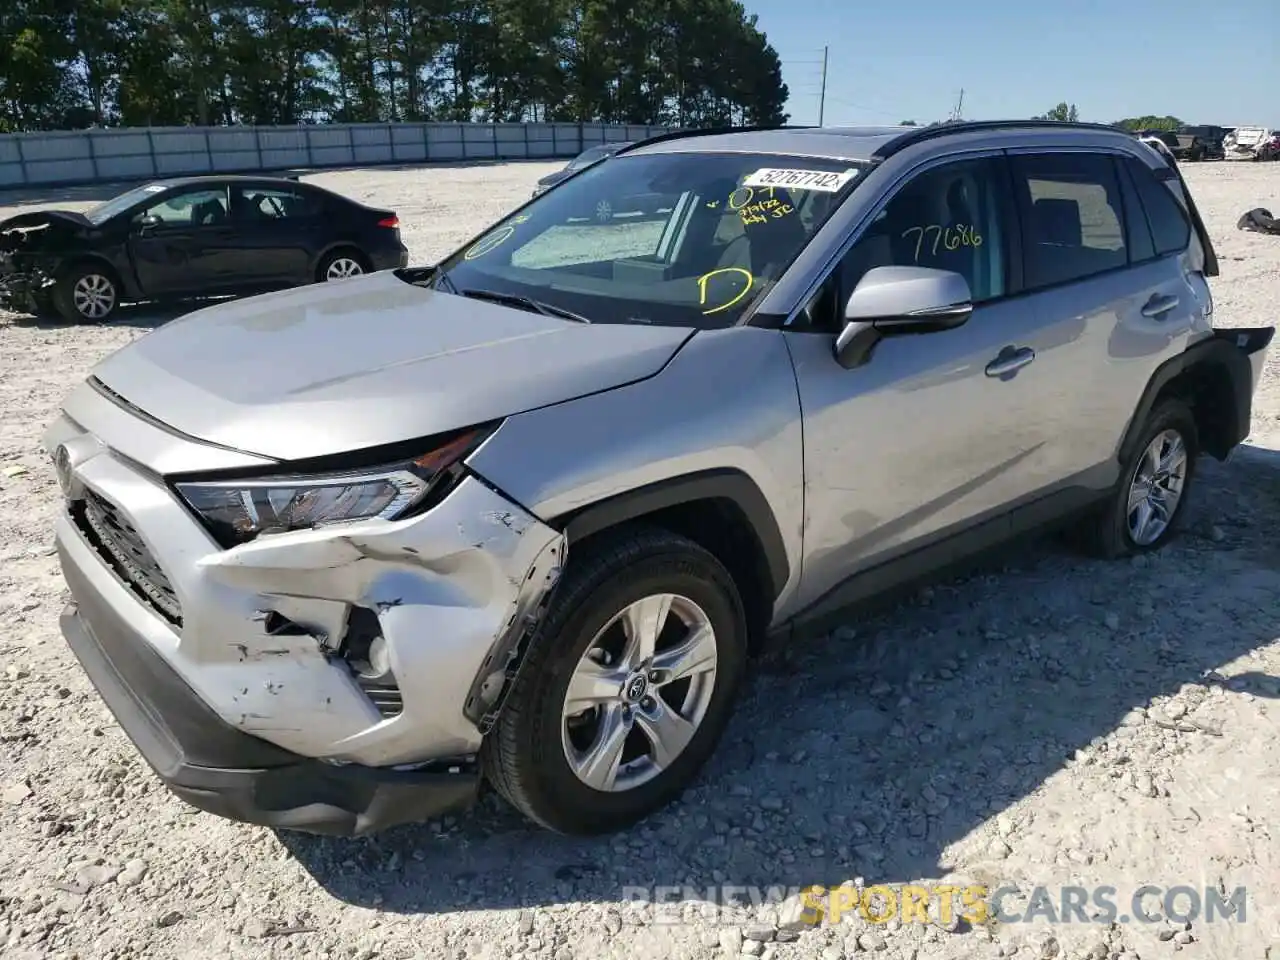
x=955, y=114
x=822, y=97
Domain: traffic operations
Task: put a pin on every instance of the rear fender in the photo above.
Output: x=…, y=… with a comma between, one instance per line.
x=1236, y=354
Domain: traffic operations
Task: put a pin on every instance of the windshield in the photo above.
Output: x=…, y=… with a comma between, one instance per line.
x=105, y=211
x=685, y=239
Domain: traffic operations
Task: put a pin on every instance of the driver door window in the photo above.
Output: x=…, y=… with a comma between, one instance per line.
x=949, y=218
x=200, y=207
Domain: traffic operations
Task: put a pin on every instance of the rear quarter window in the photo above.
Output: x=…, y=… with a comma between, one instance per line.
x=1170, y=227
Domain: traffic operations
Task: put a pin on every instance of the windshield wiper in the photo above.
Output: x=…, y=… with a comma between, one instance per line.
x=515, y=300
x=442, y=279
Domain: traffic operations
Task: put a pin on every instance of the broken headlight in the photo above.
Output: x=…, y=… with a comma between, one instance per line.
x=237, y=511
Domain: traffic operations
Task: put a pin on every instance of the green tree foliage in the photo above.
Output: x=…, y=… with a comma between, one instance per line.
x=75, y=63
x=1150, y=123
x=1063, y=112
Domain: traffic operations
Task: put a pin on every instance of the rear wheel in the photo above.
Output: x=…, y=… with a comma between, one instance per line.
x=86, y=292
x=1144, y=511
x=627, y=689
x=341, y=265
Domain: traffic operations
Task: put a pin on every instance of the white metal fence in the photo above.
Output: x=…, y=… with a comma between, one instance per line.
x=64, y=157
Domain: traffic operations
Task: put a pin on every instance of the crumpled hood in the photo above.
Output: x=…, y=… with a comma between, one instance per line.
x=41, y=218
x=331, y=368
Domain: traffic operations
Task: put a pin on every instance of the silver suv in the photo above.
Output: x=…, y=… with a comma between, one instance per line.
x=342, y=553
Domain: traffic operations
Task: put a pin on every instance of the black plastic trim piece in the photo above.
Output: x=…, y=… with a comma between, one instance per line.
x=726, y=484
x=924, y=134
x=1223, y=350
x=367, y=458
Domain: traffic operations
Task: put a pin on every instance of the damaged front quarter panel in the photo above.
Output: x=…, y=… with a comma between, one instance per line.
x=494, y=681
x=455, y=593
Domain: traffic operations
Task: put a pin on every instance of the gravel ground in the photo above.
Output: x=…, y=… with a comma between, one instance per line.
x=1045, y=721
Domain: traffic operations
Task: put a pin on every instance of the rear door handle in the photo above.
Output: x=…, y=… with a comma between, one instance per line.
x=1158, y=306
x=1010, y=360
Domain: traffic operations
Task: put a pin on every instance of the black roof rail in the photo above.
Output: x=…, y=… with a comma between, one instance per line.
x=921, y=134
x=708, y=132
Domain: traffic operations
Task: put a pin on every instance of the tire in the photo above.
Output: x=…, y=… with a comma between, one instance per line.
x=526, y=754
x=1111, y=533
x=87, y=292
x=341, y=264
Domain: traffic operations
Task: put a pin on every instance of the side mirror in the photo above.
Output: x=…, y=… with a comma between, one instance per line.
x=896, y=301
x=147, y=222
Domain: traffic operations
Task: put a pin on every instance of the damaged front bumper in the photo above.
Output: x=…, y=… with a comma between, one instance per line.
x=229, y=669
x=23, y=292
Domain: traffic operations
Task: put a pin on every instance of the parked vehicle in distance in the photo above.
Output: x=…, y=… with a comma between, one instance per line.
x=1167, y=137
x=1159, y=145
x=1200, y=142
x=189, y=237
x=338, y=554
x=1244, y=143
x=1270, y=149
x=583, y=160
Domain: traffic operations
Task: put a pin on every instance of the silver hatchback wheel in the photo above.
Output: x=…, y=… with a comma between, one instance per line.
x=1156, y=488
x=340, y=268
x=639, y=693
x=94, y=296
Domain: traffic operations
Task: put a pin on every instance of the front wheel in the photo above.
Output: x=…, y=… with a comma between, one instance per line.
x=86, y=292
x=1145, y=509
x=627, y=688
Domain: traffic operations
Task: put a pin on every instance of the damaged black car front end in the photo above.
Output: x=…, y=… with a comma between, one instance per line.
x=33, y=247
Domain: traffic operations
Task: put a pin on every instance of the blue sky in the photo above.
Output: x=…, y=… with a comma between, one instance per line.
x=894, y=60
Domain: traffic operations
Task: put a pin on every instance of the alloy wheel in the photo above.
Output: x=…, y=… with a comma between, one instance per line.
x=1156, y=487
x=343, y=267
x=94, y=296
x=639, y=693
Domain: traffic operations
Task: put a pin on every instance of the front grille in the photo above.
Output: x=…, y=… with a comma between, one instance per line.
x=385, y=695
x=124, y=550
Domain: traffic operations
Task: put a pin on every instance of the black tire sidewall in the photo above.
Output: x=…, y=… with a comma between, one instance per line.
x=559, y=798
x=1170, y=414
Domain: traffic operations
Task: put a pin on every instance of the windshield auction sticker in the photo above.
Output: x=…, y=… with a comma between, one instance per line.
x=821, y=180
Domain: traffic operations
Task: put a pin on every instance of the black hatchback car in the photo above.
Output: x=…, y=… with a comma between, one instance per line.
x=190, y=237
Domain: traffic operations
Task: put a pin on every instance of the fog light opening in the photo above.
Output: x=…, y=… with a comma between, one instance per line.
x=365, y=651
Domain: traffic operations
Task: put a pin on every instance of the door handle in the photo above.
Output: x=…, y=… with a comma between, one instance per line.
x=1010, y=360
x=1158, y=306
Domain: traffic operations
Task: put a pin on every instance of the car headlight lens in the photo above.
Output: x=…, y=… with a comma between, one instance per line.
x=237, y=511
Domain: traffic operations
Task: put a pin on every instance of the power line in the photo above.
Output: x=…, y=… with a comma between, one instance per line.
x=822, y=97
x=861, y=106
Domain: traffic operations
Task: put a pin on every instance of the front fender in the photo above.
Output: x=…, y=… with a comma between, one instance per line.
x=722, y=419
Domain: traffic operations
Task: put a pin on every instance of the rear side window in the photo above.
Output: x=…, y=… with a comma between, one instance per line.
x=1072, y=217
x=1170, y=228
x=1136, y=228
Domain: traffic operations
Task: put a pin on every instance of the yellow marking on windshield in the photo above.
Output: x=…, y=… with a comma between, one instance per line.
x=491, y=242
x=751, y=210
x=702, y=288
